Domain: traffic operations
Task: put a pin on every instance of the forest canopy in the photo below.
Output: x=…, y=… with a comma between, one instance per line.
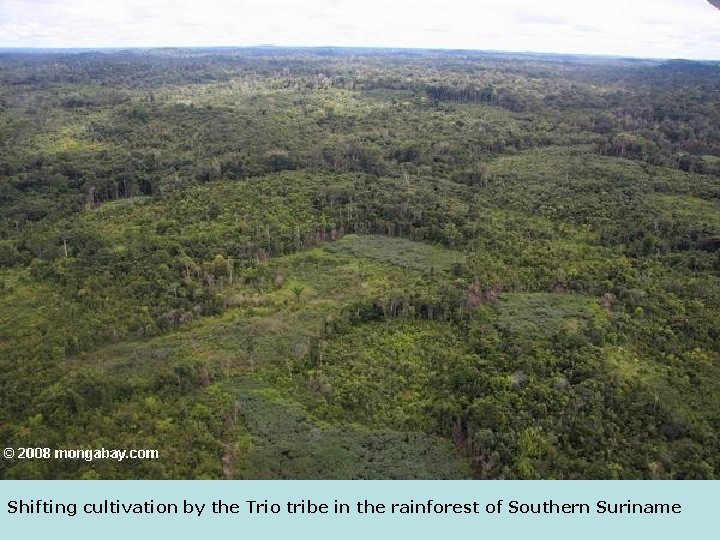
x=357, y=263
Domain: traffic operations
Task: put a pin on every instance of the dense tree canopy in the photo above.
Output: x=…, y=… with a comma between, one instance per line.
x=272, y=263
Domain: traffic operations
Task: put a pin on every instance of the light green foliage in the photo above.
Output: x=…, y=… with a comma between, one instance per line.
x=398, y=251
x=384, y=375
x=344, y=264
x=546, y=314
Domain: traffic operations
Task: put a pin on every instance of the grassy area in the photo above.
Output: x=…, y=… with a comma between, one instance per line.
x=398, y=251
x=543, y=315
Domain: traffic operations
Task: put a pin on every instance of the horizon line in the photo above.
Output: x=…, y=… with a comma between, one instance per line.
x=115, y=48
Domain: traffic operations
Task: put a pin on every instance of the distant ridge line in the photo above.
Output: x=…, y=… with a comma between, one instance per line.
x=347, y=49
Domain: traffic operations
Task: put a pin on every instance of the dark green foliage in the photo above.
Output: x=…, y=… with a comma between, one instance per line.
x=357, y=264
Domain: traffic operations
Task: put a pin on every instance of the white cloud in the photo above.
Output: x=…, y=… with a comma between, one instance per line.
x=651, y=28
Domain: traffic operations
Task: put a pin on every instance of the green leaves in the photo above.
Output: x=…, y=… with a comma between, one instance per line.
x=421, y=265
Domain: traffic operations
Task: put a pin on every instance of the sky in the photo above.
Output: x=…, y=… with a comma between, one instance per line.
x=642, y=28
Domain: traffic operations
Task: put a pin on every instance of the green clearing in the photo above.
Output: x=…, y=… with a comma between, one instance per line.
x=398, y=251
x=544, y=315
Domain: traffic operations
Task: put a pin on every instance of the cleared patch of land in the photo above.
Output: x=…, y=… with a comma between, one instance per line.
x=398, y=251
x=546, y=314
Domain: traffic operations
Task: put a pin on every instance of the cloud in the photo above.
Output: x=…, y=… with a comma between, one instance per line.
x=541, y=18
x=656, y=28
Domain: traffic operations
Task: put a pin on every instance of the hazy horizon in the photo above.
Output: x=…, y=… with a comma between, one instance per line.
x=653, y=29
x=319, y=47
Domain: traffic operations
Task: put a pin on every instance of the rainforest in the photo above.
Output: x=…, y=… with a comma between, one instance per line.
x=326, y=263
